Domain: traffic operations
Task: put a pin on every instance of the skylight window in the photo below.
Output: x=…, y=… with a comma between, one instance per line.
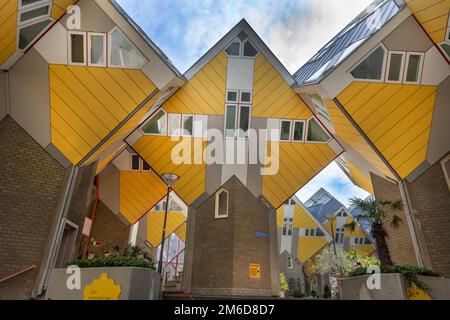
x=316, y=133
x=234, y=49
x=372, y=67
x=122, y=51
x=241, y=48
x=29, y=33
x=32, y=14
x=249, y=50
x=157, y=125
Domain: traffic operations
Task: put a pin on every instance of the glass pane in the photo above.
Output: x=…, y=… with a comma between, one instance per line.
x=27, y=2
x=145, y=166
x=249, y=50
x=413, y=68
x=246, y=97
x=97, y=49
x=395, y=67
x=157, y=124
x=285, y=130
x=123, y=54
x=27, y=34
x=233, y=49
x=174, y=124
x=134, y=162
x=223, y=199
x=230, y=121
x=298, y=131
x=42, y=11
x=316, y=133
x=77, y=41
x=372, y=67
x=188, y=124
x=244, y=120
x=446, y=48
x=232, y=96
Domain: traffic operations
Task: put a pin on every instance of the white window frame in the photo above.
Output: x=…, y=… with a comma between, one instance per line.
x=69, y=48
x=290, y=130
x=402, y=67
x=303, y=134
x=131, y=162
x=229, y=44
x=31, y=7
x=446, y=174
x=419, y=75
x=383, y=70
x=182, y=125
x=230, y=101
x=164, y=134
x=216, y=209
x=242, y=49
x=240, y=92
x=104, y=35
x=116, y=28
x=178, y=132
x=290, y=263
x=323, y=128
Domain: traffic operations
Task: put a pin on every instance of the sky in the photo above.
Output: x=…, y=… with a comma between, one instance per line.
x=293, y=29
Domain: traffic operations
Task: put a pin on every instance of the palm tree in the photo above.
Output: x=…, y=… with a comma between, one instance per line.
x=377, y=212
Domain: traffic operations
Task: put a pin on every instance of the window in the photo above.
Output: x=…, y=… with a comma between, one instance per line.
x=97, y=49
x=35, y=13
x=122, y=52
x=157, y=125
x=299, y=127
x=319, y=233
x=249, y=49
x=30, y=32
x=292, y=202
x=288, y=226
x=145, y=166
x=339, y=238
x=237, y=113
x=230, y=121
x=446, y=47
x=174, y=125
x=77, y=44
x=285, y=131
x=234, y=48
x=367, y=241
x=372, y=67
x=290, y=263
x=221, y=204
x=413, y=67
x=395, y=67
x=135, y=162
x=316, y=133
x=319, y=105
x=188, y=125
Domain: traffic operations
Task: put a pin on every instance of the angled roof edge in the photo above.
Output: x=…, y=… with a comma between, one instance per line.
x=256, y=40
x=149, y=41
x=321, y=227
x=303, y=73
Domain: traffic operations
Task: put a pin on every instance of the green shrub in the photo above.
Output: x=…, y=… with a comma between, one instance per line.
x=99, y=262
x=283, y=282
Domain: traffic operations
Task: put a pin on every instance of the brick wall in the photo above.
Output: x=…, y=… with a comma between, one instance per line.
x=108, y=229
x=399, y=240
x=430, y=200
x=224, y=248
x=30, y=184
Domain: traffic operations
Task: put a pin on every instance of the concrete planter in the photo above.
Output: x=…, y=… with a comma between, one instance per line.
x=392, y=288
x=135, y=283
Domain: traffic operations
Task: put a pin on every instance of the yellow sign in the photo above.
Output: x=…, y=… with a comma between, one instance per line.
x=102, y=288
x=255, y=270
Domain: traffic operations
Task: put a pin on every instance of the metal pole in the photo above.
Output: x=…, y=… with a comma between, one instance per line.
x=161, y=253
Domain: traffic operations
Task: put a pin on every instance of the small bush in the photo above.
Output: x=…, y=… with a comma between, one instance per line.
x=283, y=282
x=99, y=262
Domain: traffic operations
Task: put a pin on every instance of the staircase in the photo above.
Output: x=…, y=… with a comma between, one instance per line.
x=173, y=290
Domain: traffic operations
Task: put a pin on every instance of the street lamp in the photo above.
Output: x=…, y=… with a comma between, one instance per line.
x=169, y=179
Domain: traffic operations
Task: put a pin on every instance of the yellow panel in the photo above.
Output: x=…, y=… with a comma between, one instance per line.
x=88, y=103
x=191, y=183
x=104, y=162
x=360, y=178
x=396, y=118
x=139, y=193
x=181, y=232
x=155, y=222
x=432, y=15
x=272, y=95
x=204, y=93
x=365, y=250
x=347, y=132
x=298, y=163
x=59, y=8
x=309, y=246
x=305, y=219
x=8, y=29
x=280, y=216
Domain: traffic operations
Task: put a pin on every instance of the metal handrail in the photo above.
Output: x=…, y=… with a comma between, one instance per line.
x=32, y=267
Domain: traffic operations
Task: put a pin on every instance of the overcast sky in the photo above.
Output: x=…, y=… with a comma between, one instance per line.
x=293, y=29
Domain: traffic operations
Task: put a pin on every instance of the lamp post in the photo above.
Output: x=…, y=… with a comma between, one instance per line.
x=169, y=179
